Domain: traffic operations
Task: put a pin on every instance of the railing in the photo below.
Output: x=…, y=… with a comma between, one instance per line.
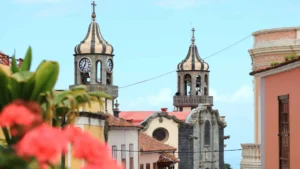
x=270, y=43
x=111, y=90
x=191, y=100
x=251, y=156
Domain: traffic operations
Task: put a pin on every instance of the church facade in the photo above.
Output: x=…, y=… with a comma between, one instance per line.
x=195, y=128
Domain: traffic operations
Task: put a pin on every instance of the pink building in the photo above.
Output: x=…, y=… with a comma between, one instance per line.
x=280, y=96
x=271, y=46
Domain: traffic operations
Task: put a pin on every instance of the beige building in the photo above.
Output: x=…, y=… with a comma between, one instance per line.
x=271, y=46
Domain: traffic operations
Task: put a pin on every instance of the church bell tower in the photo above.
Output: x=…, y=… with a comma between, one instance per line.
x=193, y=81
x=93, y=63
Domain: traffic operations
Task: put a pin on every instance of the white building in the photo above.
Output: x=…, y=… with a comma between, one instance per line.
x=123, y=138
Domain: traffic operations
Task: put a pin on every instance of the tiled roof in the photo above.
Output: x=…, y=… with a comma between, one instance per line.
x=148, y=143
x=139, y=116
x=119, y=122
x=167, y=157
x=274, y=67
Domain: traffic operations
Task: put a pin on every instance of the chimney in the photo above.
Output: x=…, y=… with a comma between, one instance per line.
x=164, y=109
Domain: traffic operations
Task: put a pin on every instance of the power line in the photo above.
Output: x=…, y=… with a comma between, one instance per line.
x=239, y=41
x=170, y=151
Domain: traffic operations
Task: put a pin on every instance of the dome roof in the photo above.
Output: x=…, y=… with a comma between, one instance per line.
x=193, y=61
x=94, y=42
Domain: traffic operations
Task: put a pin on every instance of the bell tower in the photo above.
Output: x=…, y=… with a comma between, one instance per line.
x=193, y=81
x=93, y=63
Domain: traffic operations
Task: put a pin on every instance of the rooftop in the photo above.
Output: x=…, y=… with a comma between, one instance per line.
x=119, y=122
x=277, y=66
x=139, y=116
x=264, y=31
x=148, y=143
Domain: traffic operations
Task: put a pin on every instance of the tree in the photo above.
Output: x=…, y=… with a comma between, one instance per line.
x=227, y=166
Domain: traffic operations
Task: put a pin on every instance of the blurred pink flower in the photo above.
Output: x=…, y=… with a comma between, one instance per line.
x=45, y=143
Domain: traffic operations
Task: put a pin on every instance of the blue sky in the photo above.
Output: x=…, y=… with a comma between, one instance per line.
x=150, y=38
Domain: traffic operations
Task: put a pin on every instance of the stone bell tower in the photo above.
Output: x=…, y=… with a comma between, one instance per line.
x=93, y=63
x=193, y=81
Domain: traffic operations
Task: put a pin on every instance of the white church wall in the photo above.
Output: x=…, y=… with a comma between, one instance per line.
x=120, y=136
x=148, y=158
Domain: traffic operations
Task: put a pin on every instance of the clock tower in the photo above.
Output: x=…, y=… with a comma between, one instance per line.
x=93, y=64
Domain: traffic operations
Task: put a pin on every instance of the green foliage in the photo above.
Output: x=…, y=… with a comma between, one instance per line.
x=275, y=63
x=38, y=86
x=227, y=166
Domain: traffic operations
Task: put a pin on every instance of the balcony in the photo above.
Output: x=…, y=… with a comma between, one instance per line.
x=194, y=101
x=109, y=89
x=250, y=156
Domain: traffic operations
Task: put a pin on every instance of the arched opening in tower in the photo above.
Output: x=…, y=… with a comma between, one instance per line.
x=99, y=71
x=187, y=84
x=198, y=85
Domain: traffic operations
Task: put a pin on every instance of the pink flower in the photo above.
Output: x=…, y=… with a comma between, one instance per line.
x=45, y=143
x=20, y=113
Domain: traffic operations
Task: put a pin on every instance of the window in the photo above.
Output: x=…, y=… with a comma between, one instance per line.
x=148, y=166
x=154, y=166
x=114, y=152
x=207, y=133
x=131, y=156
x=160, y=134
x=206, y=79
x=187, y=84
x=99, y=71
x=141, y=166
x=123, y=155
x=205, y=91
x=284, y=132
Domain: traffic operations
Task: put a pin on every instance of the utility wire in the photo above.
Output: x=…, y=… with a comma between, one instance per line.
x=176, y=70
x=170, y=151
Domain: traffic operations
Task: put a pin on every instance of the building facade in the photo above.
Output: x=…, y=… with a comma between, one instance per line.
x=123, y=138
x=279, y=114
x=271, y=46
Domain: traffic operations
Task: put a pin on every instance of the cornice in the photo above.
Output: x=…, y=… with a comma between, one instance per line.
x=279, y=69
x=274, y=50
x=265, y=31
x=147, y=122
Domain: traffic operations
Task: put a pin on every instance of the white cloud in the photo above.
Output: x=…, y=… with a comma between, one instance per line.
x=163, y=98
x=242, y=94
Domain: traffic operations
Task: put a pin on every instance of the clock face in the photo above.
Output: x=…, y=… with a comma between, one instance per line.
x=109, y=65
x=84, y=65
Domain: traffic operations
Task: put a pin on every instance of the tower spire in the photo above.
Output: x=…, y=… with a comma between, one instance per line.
x=193, y=36
x=94, y=13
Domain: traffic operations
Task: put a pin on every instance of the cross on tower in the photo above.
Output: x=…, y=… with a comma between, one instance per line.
x=193, y=35
x=94, y=13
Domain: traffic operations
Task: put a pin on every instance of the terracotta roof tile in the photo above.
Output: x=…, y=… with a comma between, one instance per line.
x=148, y=143
x=167, y=157
x=119, y=122
x=274, y=67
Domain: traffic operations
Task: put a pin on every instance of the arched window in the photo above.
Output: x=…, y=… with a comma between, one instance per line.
x=207, y=133
x=178, y=85
x=99, y=71
x=206, y=79
x=198, y=85
x=187, y=84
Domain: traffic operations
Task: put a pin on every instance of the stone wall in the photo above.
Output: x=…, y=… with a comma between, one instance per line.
x=185, y=145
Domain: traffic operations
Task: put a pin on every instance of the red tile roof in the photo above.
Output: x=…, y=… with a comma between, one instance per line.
x=148, y=143
x=274, y=67
x=119, y=122
x=139, y=116
x=167, y=157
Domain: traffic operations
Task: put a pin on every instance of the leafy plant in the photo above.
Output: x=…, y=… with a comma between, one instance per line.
x=227, y=166
x=275, y=63
x=29, y=106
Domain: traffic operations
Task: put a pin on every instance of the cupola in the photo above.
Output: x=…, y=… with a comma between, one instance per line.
x=193, y=61
x=94, y=43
